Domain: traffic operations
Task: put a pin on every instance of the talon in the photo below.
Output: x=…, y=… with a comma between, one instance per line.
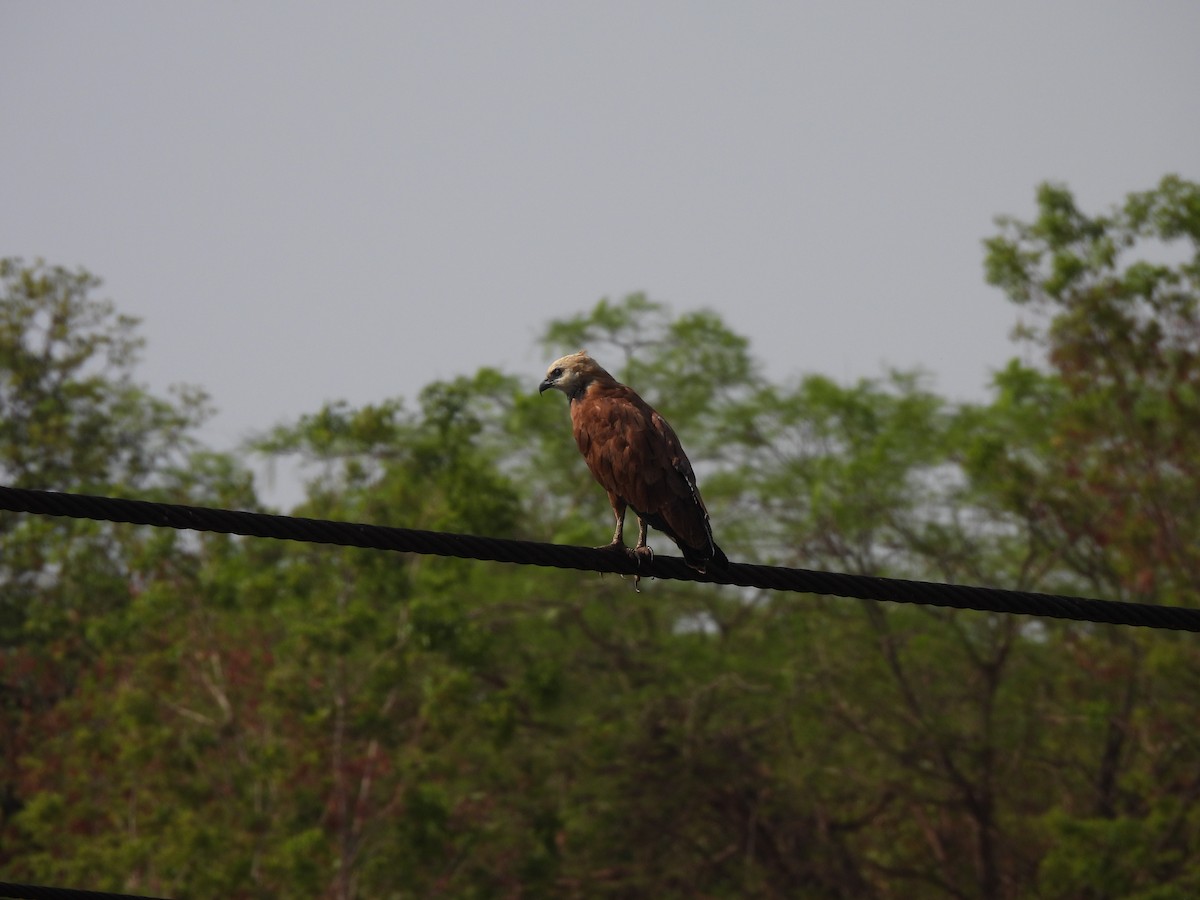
x=638, y=553
x=642, y=552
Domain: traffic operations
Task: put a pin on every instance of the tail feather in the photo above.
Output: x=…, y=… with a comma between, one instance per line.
x=703, y=560
x=699, y=558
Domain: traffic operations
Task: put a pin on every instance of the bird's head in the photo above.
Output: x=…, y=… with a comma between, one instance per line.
x=572, y=374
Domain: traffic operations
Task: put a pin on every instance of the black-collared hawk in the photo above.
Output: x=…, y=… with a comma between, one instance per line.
x=637, y=458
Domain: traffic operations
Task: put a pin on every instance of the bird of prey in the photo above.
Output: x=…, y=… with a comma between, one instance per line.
x=636, y=456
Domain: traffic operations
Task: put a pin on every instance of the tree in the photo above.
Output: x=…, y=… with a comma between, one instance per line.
x=1122, y=338
x=302, y=720
x=73, y=418
x=1103, y=478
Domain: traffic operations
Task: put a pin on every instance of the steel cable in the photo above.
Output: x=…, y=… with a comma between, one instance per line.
x=466, y=546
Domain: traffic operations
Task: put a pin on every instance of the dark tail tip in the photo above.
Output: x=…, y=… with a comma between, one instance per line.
x=717, y=562
x=720, y=561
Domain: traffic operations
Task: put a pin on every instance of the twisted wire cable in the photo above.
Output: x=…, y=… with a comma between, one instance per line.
x=466, y=546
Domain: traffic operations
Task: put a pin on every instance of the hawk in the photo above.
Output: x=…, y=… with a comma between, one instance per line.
x=636, y=456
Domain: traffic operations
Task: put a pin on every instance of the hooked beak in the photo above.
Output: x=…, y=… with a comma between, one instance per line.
x=545, y=386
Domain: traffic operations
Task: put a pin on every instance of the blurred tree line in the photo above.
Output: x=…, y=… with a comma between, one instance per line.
x=208, y=716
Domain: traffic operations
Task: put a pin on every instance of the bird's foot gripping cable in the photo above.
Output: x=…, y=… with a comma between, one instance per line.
x=637, y=554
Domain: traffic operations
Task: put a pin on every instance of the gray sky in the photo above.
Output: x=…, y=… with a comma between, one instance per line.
x=307, y=202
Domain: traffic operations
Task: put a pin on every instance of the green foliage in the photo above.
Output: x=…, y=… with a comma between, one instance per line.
x=70, y=414
x=205, y=716
x=1123, y=341
x=76, y=598
x=830, y=475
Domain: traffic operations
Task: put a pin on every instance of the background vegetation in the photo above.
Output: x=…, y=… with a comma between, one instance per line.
x=208, y=716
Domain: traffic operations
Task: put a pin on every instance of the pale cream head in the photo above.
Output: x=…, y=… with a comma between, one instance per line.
x=572, y=373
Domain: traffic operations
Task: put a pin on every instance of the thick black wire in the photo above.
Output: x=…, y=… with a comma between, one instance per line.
x=40, y=892
x=466, y=546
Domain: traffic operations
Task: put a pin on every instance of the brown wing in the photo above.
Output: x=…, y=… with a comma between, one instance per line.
x=681, y=508
x=634, y=453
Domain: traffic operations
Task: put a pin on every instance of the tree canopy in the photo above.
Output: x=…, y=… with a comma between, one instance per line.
x=210, y=716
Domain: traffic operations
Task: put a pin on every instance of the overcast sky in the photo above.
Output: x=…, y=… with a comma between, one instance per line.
x=307, y=202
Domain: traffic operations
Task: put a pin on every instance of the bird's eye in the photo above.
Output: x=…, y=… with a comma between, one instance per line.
x=557, y=373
